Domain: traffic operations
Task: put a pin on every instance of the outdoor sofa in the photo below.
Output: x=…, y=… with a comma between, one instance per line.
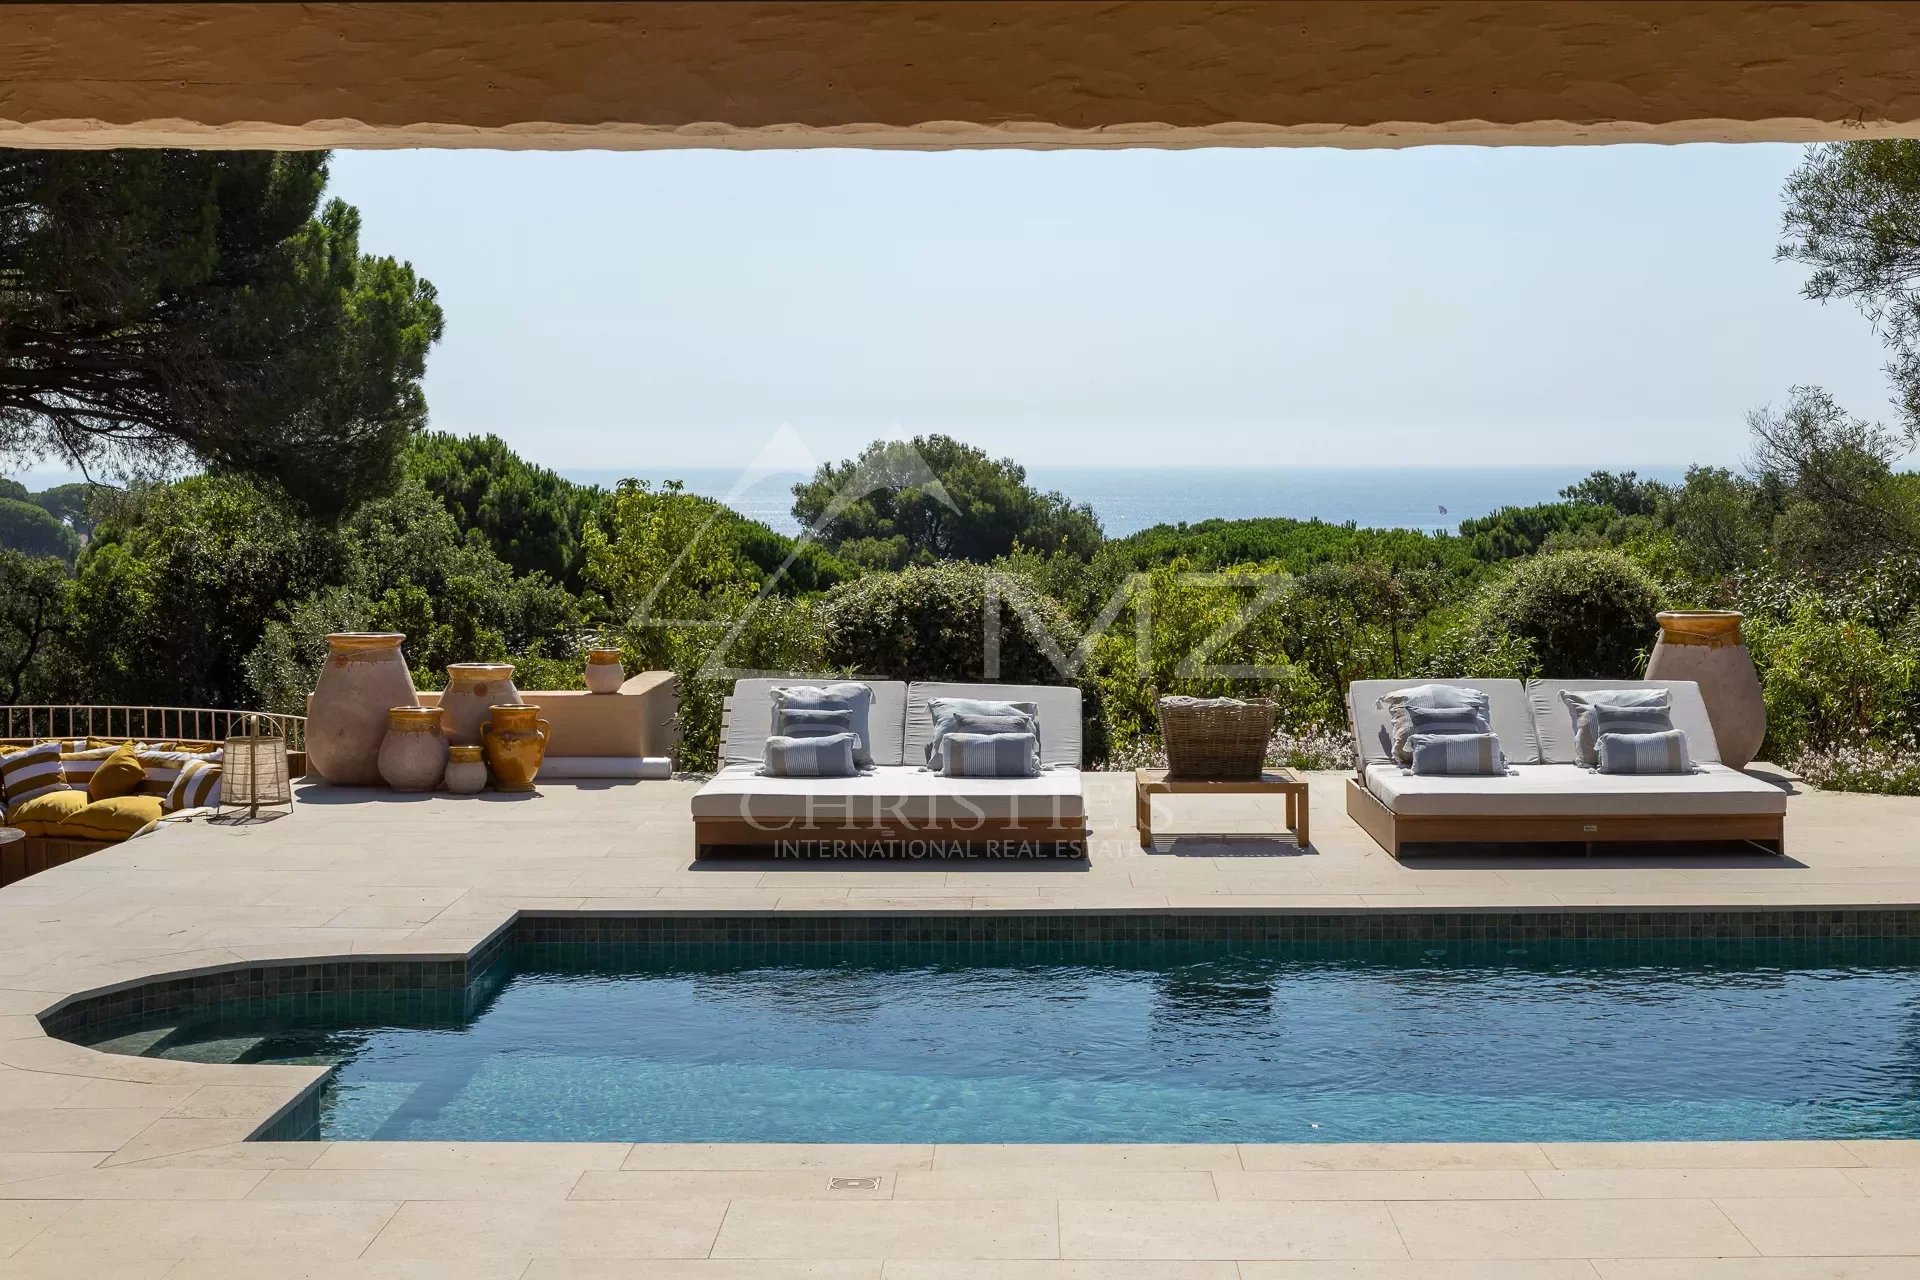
x=898, y=807
x=1546, y=797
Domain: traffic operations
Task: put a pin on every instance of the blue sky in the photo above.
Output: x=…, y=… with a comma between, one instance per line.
x=1598, y=306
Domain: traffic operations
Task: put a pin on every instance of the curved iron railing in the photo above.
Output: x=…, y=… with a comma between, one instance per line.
x=151, y=724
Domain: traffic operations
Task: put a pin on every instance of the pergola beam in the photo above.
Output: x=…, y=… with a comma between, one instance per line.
x=952, y=74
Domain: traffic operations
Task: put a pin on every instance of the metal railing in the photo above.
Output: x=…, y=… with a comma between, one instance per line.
x=147, y=724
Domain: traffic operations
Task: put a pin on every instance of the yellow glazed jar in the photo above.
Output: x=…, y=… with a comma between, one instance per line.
x=516, y=743
x=472, y=687
x=413, y=755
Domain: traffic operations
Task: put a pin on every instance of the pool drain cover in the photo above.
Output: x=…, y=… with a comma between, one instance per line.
x=854, y=1184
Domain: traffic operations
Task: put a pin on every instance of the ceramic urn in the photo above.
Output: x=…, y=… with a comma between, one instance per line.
x=365, y=674
x=516, y=744
x=466, y=771
x=1706, y=647
x=413, y=755
x=472, y=687
x=604, y=672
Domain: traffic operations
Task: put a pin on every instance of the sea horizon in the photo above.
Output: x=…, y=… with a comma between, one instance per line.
x=1129, y=499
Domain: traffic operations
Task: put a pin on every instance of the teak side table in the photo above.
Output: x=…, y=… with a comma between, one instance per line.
x=1148, y=783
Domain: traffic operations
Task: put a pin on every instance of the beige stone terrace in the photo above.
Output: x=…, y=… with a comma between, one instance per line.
x=128, y=1167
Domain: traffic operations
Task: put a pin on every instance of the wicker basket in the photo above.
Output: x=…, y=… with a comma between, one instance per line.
x=1222, y=740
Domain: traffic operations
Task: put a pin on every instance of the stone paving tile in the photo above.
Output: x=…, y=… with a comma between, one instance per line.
x=1701, y=1184
x=80, y=1129
x=1828, y=1228
x=190, y=1228
x=1427, y=1269
x=1369, y=1184
x=1247, y=1229
x=1755, y=1269
x=1394, y=1155
x=1893, y=1154
x=453, y=1229
x=849, y=1160
x=576, y=1156
x=136, y=1183
x=1472, y=1229
x=21, y=1222
x=1700, y=1155
x=1064, y=1269
x=1079, y=1183
x=890, y=1229
x=722, y=1184
x=269, y=1266
x=1067, y=1156
x=705, y=1269
x=481, y=1183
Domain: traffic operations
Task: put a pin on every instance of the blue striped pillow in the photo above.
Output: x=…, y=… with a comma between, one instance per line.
x=1661, y=752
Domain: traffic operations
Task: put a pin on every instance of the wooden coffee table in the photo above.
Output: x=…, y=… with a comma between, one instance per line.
x=1148, y=783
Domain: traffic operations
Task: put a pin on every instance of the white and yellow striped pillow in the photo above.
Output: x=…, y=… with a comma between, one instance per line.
x=163, y=768
x=30, y=773
x=77, y=767
x=197, y=787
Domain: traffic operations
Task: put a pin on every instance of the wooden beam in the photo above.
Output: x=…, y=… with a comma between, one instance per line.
x=954, y=73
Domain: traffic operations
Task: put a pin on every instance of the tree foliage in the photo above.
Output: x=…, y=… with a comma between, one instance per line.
x=34, y=595
x=933, y=498
x=532, y=518
x=165, y=307
x=31, y=529
x=1582, y=614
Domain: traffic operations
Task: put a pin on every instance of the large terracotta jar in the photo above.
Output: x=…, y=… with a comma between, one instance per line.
x=472, y=687
x=365, y=674
x=1706, y=647
x=516, y=742
x=413, y=755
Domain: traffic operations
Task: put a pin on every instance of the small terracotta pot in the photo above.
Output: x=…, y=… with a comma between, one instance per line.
x=1706, y=647
x=472, y=687
x=466, y=771
x=516, y=742
x=605, y=674
x=364, y=675
x=413, y=756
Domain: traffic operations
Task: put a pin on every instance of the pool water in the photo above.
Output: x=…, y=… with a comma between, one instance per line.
x=1135, y=1043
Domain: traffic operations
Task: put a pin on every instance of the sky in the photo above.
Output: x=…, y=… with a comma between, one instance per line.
x=1599, y=306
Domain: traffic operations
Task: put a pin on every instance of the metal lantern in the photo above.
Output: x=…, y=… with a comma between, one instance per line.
x=254, y=771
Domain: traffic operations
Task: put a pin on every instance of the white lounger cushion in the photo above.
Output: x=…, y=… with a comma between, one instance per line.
x=750, y=717
x=1059, y=716
x=1569, y=791
x=896, y=793
x=1506, y=708
x=1556, y=722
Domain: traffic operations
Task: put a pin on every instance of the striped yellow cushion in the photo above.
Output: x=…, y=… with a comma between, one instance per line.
x=26, y=775
x=163, y=768
x=77, y=767
x=198, y=787
x=114, y=819
x=46, y=811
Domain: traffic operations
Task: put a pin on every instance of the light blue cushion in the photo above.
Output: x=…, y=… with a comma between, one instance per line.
x=990, y=755
x=1664, y=751
x=848, y=695
x=827, y=756
x=1597, y=711
x=1456, y=754
x=977, y=715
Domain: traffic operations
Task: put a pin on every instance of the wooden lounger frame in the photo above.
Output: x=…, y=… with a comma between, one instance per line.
x=855, y=838
x=1392, y=831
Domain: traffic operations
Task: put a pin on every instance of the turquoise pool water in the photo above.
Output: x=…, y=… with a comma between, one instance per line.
x=1133, y=1043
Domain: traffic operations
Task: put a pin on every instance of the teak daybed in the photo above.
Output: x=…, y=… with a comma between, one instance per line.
x=898, y=807
x=1546, y=797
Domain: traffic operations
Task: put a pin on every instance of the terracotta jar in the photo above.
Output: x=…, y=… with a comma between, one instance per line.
x=466, y=771
x=413, y=755
x=516, y=742
x=1706, y=647
x=364, y=675
x=472, y=687
x=604, y=672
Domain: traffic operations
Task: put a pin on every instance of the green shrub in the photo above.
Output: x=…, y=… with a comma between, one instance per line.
x=1830, y=681
x=1583, y=613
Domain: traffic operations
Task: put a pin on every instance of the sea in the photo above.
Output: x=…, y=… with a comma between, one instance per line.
x=1128, y=499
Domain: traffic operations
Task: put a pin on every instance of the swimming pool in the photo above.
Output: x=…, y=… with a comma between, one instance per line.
x=1120, y=1042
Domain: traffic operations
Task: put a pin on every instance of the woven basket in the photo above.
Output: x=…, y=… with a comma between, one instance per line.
x=1223, y=742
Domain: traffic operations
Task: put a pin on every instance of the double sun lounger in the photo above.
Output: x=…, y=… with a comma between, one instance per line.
x=900, y=808
x=1545, y=796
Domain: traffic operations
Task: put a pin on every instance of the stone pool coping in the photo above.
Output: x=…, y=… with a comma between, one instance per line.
x=136, y=1167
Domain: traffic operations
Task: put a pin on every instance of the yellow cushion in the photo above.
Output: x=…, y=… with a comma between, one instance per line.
x=118, y=775
x=38, y=815
x=114, y=819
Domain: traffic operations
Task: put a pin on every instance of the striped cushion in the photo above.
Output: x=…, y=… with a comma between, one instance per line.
x=848, y=695
x=1661, y=752
x=197, y=787
x=32, y=772
x=825, y=757
x=952, y=722
x=814, y=722
x=78, y=767
x=163, y=768
x=1400, y=704
x=1456, y=754
x=1597, y=711
x=990, y=755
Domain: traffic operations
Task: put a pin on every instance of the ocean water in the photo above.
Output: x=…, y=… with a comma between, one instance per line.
x=1133, y=1042
x=1128, y=499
